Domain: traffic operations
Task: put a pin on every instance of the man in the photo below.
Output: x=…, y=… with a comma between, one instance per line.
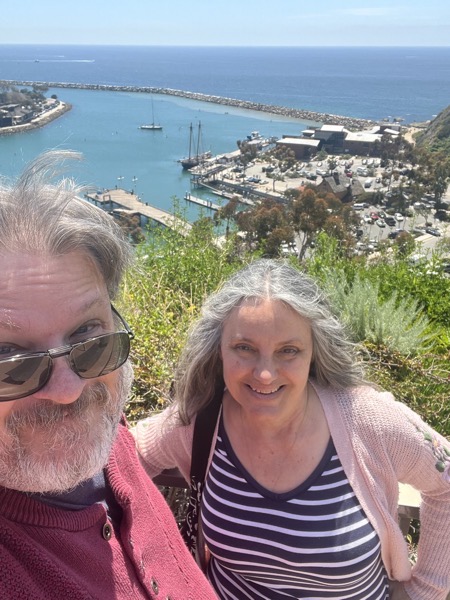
x=79, y=519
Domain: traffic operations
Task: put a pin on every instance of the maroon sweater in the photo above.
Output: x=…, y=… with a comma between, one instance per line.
x=47, y=553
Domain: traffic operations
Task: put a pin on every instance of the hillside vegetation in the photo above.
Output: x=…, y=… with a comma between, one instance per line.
x=399, y=314
x=436, y=137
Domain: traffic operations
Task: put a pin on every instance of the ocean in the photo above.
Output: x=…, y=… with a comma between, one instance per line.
x=370, y=83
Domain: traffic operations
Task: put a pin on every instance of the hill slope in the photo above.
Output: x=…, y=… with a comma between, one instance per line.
x=436, y=137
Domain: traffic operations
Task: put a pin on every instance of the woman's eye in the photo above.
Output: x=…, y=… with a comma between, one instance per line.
x=243, y=348
x=289, y=351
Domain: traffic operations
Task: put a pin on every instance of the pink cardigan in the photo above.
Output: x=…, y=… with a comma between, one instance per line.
x=380, y=442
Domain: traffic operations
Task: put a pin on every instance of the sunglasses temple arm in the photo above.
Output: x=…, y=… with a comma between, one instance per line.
x=127, y=327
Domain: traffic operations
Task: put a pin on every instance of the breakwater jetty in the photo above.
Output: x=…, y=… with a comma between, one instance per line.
x=305, y=115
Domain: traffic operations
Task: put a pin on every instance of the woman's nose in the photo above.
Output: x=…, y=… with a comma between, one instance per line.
x=64, y=386
x=265, y=369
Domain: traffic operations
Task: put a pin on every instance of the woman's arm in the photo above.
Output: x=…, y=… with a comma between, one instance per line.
x=163, y=443
x=430, y=474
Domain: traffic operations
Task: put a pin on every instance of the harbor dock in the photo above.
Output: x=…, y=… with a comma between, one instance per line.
x=200, y=201
x=117, y=199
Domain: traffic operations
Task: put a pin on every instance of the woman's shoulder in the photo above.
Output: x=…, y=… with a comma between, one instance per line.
x=366, y=406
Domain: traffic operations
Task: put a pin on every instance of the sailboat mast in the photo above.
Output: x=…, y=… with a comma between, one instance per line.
x=197, y=154
x=190, y=140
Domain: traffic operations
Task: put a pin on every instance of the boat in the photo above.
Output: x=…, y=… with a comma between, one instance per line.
x=152, y=126
x=196, y=155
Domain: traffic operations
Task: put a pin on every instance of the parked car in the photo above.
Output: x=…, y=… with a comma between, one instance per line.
x=380, y=223
x=399, y=217
x=433, y=231
x=390, y=221
x=368, y=219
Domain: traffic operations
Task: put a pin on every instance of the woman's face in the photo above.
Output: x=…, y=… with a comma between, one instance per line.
x=266, y=349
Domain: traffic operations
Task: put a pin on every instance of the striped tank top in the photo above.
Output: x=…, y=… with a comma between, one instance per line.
x=312, y=542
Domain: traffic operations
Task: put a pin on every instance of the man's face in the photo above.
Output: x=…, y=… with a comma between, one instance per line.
x=62, y=434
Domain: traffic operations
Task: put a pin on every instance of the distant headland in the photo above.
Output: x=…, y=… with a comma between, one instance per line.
x=307, y=115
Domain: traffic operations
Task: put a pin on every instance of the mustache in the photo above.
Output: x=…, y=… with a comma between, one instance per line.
x=48, y=413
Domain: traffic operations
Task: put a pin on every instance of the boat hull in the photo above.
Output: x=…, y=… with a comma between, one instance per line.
x=151, y=127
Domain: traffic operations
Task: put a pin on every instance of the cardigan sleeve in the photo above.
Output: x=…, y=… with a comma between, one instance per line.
x=429, y=473
x=382, y=442
x=420, y=457
x=163, y=443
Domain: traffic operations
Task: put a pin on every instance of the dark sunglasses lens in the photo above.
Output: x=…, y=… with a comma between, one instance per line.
x=20, y=377
x=101, y=355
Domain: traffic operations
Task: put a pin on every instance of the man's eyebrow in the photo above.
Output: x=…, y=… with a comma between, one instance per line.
x=97, y=302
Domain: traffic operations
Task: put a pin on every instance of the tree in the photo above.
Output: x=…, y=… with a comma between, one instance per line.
x=404, y=243
x=227, y=213
x=308, y=214
x=311, y=213
x=332, y=163
x=265, y=226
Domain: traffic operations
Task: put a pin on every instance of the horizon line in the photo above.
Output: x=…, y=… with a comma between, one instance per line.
x=128, y=45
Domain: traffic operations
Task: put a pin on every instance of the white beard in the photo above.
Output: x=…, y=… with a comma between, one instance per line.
x=53, y=447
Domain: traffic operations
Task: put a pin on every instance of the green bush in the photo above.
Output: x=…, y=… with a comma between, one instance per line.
x=396, y=324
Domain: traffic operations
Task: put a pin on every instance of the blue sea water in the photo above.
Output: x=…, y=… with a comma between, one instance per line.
x=372, y=83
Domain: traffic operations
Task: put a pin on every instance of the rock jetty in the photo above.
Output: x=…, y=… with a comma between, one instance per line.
x=305, y=115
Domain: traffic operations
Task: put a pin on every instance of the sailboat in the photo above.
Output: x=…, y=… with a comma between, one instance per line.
x=196, y=156
x=152, y=126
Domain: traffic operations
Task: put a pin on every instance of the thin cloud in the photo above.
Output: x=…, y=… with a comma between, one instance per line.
x=376, y=11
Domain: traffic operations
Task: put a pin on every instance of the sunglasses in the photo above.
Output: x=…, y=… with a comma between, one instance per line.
x=25, y=374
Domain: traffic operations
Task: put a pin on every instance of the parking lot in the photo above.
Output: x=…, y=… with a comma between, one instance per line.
x=375, y=224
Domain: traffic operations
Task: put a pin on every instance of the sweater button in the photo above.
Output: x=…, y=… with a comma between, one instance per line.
x=155, y=586
x=107, y=532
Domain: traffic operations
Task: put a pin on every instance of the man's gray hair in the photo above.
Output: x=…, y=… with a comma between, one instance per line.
x=39, y=216
x=199, y=374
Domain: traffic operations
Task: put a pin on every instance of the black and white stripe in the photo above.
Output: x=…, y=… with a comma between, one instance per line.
x=312, y=542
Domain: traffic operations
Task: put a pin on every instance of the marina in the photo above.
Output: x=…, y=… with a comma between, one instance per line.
x=119, y=201
x=201, y=202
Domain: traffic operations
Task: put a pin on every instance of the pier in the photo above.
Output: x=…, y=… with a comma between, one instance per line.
x=119, y=199
x=206, y=203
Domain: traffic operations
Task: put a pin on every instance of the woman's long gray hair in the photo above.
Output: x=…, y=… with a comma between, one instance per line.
x=199, y=374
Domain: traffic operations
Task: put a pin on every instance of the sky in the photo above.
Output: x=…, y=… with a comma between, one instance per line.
x=227, y=22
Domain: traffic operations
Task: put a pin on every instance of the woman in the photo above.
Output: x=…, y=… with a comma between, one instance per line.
x=300, y=497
